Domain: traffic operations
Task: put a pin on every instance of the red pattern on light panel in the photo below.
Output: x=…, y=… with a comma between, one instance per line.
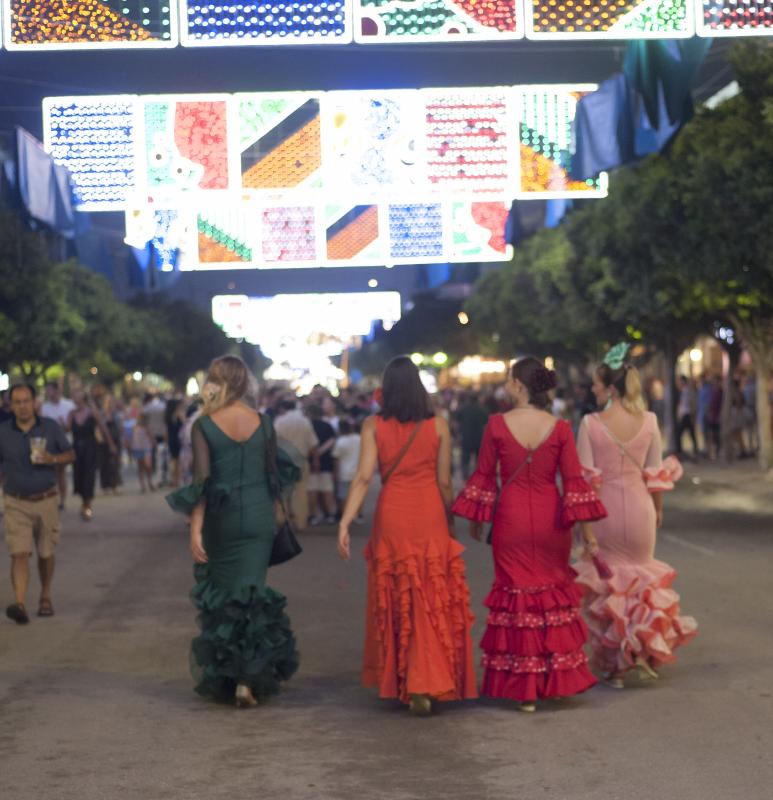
x=200, y=133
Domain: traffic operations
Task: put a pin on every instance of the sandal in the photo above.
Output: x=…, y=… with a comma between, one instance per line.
x=45, y=609
x=17, y=613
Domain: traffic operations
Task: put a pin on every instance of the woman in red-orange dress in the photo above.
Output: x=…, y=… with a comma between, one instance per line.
x=534, y=639
x=417, y=635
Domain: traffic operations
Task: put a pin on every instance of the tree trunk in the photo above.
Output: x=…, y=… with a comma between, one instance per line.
x=763, y=414
x=728, y=393
x=670, y=398
x=757, y=335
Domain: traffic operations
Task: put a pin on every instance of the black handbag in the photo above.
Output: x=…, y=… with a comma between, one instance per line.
x=286, y=545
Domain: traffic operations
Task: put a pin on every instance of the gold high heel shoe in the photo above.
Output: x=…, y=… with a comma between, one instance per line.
x=527, y=708
x=420, y=705
x=646, y=673
x=244, y=697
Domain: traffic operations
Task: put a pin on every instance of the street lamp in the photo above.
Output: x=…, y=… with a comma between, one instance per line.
x=417, y=358
x=463, y=318
x=440, y=358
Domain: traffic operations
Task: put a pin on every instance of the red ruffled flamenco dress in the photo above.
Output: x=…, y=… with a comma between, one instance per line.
x=534, y=640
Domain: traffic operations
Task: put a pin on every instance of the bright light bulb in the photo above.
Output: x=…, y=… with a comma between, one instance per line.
x=440, y=358
x=417, y=358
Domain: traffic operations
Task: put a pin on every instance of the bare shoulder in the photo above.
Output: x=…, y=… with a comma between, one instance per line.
x=441, y=426
x=369, y=426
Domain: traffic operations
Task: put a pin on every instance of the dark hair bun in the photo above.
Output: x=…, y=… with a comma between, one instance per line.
x=543, y=380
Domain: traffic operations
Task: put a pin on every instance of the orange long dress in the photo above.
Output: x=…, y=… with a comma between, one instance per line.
x=417, y=635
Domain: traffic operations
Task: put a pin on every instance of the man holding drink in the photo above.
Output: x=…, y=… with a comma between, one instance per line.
x=31, y=448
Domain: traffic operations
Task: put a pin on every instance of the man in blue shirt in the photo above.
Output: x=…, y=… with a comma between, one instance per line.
x=31, y=448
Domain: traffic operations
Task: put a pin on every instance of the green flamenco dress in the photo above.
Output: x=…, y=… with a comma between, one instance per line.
x=245, y=633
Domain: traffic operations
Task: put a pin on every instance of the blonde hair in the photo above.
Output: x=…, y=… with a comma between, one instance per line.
x=228, y=381
x=627, y=381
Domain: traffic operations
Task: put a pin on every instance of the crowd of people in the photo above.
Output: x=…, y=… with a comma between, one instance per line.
x=537, y=463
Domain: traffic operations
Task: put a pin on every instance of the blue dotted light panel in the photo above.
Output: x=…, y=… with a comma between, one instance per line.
x=415, y=232
x=271, y=22
x=95, y=138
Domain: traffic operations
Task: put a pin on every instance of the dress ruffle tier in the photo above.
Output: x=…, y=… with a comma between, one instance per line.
x=421, y=594
x=245, y=638
x=543, y=627
x=634, y=614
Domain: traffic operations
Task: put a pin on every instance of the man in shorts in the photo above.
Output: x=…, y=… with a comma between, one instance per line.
x=31, y=448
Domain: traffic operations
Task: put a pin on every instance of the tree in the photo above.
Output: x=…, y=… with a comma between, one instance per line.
x=724, y=161
x=36, y=322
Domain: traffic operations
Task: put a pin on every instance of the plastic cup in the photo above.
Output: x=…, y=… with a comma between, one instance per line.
x=37, y=449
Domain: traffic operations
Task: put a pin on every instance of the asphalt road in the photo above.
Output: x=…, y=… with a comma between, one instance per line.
x=96, y=703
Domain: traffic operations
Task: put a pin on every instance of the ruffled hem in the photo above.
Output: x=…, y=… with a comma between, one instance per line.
x=533, y=644
x=633, y=615
x=185, y=499
x=663, y=478
x=245, y=638
x=580, y=503
x=477, y=500
x=436, y=580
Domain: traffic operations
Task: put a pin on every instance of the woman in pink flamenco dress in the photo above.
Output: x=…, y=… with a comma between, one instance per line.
x=534, y=639
x=633, y=617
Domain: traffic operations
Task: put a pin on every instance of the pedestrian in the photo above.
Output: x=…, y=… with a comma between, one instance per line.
x=246, y=646
x=321, y=486
x=83, y=423
x=31, y=447
x=109, y=451
x=295, y=428
x=534, y=640
x=58, y=408
x=155, y=408
x=685, y=414
x=142, y=444
x=346, y=454
x=417, y=635
x=714, y=418
x=175, y=420
x=185, y=463
x=471, y=419
x=633, y=615
x=703, y=398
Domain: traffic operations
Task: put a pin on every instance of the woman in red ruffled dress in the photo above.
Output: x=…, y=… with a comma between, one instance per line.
x=634, y=616
x=533, y=645
x=417, y=636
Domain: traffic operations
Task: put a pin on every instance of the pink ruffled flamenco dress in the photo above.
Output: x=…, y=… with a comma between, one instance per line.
x=534, y=639
x=633, y=616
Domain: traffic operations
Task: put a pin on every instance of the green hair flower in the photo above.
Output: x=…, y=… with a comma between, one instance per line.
x=615, y=358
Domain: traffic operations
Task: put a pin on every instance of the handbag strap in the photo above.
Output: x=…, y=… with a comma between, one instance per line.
x=406, y=447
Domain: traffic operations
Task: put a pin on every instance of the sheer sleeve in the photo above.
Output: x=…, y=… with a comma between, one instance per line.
x=659, y=474
x=477, y=498
x=580, y=501
x=590, y=471
x=188, y=497
x=200, y=446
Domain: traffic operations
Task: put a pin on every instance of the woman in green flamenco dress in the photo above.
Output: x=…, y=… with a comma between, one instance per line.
x=245, y=647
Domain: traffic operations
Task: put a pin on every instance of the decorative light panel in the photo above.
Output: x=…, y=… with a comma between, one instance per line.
x=95, y=138
x=272, y=22
x=734, y=17
x=300, y=179
x=185, y=145
x=609, y=19
x=436, y=20
x=468, y=141
x=63, y=24
x=546, y=116
x=373, y=139
x=279, y=141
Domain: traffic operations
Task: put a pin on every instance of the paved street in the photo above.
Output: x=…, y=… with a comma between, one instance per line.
x=97, y=704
